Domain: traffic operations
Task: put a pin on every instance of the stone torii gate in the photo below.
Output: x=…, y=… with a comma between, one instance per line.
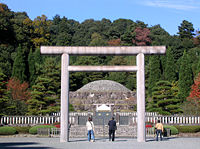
x=65, y=51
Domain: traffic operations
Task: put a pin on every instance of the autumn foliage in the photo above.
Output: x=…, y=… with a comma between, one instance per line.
x=19, y=91
x=141, y=36
x=194, y=96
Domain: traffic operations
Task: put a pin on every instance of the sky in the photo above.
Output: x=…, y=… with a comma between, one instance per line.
x=168, y=13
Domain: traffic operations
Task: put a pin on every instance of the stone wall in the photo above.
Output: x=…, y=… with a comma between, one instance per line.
x=84, y=101
x=100, y=131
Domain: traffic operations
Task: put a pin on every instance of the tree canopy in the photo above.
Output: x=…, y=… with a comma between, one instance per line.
x=21, y=38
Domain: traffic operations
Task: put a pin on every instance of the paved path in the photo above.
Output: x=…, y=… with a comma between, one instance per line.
x=82, y=143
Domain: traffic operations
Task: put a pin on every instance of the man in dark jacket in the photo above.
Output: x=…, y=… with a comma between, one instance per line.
x=112, y=128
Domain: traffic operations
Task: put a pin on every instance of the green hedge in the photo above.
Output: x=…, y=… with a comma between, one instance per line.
x=173, y=129
x=188, y=129
x=33, y=130
x=22, y=130
x=6, y=130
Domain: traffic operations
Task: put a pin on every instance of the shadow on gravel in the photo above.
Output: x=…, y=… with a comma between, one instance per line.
x=163, y=139
x=100, y=140
x=78, y=140
x=21, y=145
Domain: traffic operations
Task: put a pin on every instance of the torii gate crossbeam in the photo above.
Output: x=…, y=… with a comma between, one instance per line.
x=65, y=51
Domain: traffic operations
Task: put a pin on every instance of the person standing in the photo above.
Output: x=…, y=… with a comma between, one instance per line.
x=90, y=129
x=159, y=130
x=112, y=127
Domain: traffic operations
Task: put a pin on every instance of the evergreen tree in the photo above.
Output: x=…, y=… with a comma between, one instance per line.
x=19, y=67
x=185, y=77
x=22, y=28
x=170, y=68
x=119, y=77
x=32, y=70
x=131, y=76
x=3, y=94
x=194, y=55
x=175, y=44
x=37, y=105
x=35, y=63
x=46, y=91
x=62, y=31
x=126, y=39
x=6, y=59
x=186, y=30
x=121, y=25
x=154, y=72
x=159, y=36
x=164, y=99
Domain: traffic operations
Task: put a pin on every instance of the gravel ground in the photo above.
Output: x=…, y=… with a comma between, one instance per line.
x=82, y=143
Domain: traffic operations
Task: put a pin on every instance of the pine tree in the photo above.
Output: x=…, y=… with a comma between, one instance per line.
x=3, y=94
x=185, y=77
x=46, y=91
x=164, y=99
x=154, y=72
x=19, y=66
x=170, y=68
x=6, y=61
x=35, y=68
x=186, y=30
x=32, y=70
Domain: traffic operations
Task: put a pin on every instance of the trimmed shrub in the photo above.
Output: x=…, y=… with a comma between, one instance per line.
x=22, y=130
x=33, y=130
x=188, y=129
x=173, y=129
x=6, y=130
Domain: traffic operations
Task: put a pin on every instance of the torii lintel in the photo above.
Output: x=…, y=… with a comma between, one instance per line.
x=104, y=50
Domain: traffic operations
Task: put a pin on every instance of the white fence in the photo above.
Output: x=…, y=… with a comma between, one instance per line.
x=172, y=120
x=31, y=120
x=73, y=119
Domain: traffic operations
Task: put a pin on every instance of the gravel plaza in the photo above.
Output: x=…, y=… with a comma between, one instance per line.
x=100, y=143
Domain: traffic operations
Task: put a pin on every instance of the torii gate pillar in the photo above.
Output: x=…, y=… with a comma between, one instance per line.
x=139, y=51
x=64, y=123
x=141, y=136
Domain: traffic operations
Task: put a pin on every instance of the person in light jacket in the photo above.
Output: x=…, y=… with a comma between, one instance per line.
x=159, y=130
x=90, y=129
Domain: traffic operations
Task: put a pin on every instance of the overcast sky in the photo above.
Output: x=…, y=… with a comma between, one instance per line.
x=168, y=13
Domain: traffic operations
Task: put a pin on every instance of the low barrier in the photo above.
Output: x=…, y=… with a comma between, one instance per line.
x=121, y=118
x=99, y=132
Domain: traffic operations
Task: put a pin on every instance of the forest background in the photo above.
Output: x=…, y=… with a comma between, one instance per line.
x=30, y=82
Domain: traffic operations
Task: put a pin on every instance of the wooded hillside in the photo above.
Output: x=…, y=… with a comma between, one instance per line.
x=30, y=82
